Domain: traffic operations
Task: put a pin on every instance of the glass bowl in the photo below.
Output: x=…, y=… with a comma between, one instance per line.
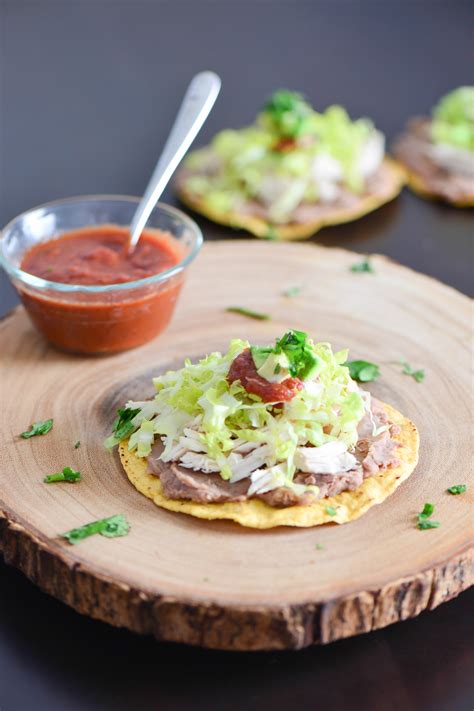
x=105, y=318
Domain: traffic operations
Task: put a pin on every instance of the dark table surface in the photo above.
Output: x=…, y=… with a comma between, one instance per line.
x=88, y=92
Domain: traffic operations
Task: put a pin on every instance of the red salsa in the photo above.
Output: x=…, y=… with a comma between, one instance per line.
x=109, y=321
x=243, y=369
x=98, y=255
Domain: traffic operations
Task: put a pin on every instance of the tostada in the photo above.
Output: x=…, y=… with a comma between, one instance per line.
x=438, y=152
x=265, y=436
x=291, y=172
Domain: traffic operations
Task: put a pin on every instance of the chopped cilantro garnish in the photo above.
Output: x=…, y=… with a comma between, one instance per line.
x=418, y=375
x=38, y=428
x=363, y=371
x=426, y=523
x=331, y=511
x=303, y=363
x=319, y=547
x=427, y=510
x=292, y=291
x=364, y=266
x=77, y=445
x=123, y=424
x=288, y=113
x=423, y=518
x=457, y=489
x=67, y=474
x=247, y=312
x=110, y=527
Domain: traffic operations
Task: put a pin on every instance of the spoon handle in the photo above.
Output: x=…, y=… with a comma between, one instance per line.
x=198, y=101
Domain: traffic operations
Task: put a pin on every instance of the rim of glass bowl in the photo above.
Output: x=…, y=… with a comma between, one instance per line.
x=41, y=283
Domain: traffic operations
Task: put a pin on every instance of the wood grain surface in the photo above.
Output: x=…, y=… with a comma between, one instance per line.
x=214, y=583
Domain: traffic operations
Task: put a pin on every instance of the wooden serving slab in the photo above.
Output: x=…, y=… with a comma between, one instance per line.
x=213, y=583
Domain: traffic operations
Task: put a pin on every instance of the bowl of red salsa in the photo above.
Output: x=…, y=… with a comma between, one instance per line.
x=84, y=292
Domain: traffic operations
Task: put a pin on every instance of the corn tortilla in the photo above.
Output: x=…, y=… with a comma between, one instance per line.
x=253, y=513
x=293, y=231
x=422, y=187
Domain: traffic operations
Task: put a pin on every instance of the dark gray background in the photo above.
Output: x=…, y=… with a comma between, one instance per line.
x=88, y=92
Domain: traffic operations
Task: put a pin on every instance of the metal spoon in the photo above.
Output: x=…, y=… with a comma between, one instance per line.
x=197, y=103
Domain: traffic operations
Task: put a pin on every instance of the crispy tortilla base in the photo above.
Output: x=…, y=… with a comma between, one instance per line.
x=253, y=513
x=261, y=228
x=423, y=188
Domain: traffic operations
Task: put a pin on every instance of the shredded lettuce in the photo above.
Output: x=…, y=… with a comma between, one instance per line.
x=142, y=439
x=222, y=419
x=343, y=140
x=453, y=119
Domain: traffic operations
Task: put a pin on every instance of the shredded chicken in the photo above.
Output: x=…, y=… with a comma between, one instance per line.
x=321, y=471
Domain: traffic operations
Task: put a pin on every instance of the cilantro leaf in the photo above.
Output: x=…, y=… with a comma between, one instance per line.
x=364, y=266
x=110, y=527
x=423, y=518
x=123, y=424
x=122, y=427
x=428, y=510
x=303, y=363
x=77, y=445
x=363, y=371
x=288, y=113
x=319, y=547
x=330, y=510
x=427, y=523
x=38, y=428
x=418, y=375
x=457, y=489
x=67, y=474
x=291, y=291
x=247, y=312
